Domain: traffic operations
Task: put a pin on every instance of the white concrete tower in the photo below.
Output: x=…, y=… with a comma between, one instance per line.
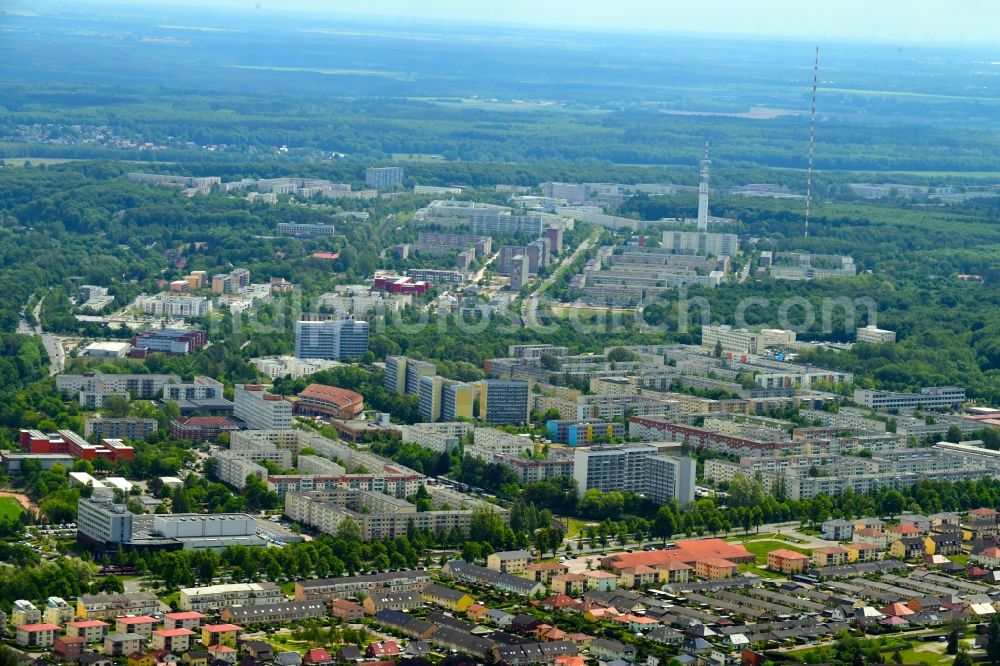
x=703, y=192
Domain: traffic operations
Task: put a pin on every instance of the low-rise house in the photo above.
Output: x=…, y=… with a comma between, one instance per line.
x=944, y=543
x=348, y=654
x=224, y=654
x=285, y=611
x=183, y=620
x=715, y=568
x=68, y=648
x=410, y=627
x=560, y=601
x=907, y=548
x=919, y=521
x=346, y=610
x=945, y=518
x=92, y=631
x=392, y=601
x=94, y=659
x=260, y=650
x=497, y=580
x=382, y=649
x=837, y=529
x=984, y=513
x=601, y=580
x=110, y=606
x=141, y=659
x=876, y=537
x=288, y=659
x=638, y=577
x=499, y=618
x=903, y=531
x=787, y=561
x=974, y=530
x=476, y=612
x=196, y=657
x=510, y=561
x=608, y=649
x=674, y=572
x=122, y=645
x=320, y=657
x=569, y=584
x=829, y=556
x=860, y=551
x=173, y=640
x=462, y=642
x=446, y=597
x=136, y=624
x=220, y=634
x=988, y=557
x=543, y=572
x=869, y=524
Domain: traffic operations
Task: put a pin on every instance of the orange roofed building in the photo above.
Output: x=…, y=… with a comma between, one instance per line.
x=331, y=401
x=687, y=552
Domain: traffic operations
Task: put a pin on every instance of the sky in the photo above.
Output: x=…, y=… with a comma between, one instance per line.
x=927, y=21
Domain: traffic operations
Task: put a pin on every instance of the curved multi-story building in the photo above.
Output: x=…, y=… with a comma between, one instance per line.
x=331, y=401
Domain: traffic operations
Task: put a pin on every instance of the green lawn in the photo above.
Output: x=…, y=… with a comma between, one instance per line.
x=926, y=656
x=762, y=548
x=10, y=508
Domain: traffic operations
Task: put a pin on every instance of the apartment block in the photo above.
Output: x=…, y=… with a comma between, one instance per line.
x=875, y=335
x=403, y=374
x=177, y=340
x=934, y=397
x=261, y=410
x=305, y=230
x=700, y=243
x=132, y=428
x=383, y=178
x=217, y=597
x=339, y=339
x=174, y=305
x=503, y=402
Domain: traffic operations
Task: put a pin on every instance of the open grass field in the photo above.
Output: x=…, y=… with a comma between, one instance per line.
x=761, y=548
x=10, y=508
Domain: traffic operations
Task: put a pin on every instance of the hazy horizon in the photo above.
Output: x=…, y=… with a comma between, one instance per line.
x=965, y=22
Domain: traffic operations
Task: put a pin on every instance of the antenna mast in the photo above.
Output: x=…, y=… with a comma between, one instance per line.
x=812, y=136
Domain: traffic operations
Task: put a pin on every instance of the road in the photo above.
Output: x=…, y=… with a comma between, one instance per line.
x=529, y=306
x=53, y=345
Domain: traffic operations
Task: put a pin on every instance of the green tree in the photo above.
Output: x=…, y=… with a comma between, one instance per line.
x=952, y=647
x=993, y=641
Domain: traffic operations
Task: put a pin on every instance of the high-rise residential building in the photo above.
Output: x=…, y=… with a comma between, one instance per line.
x=700, y=243
x=383, y=178
x=669, y=478
x=261, y=410
x=520, y=272
x=503, y=401
x=444, y=399
x=555, y=236
x=430, y=398
x=337, y=339
x=876, y=336
x=638, y=468
x=456, y=401
x=703, y=192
